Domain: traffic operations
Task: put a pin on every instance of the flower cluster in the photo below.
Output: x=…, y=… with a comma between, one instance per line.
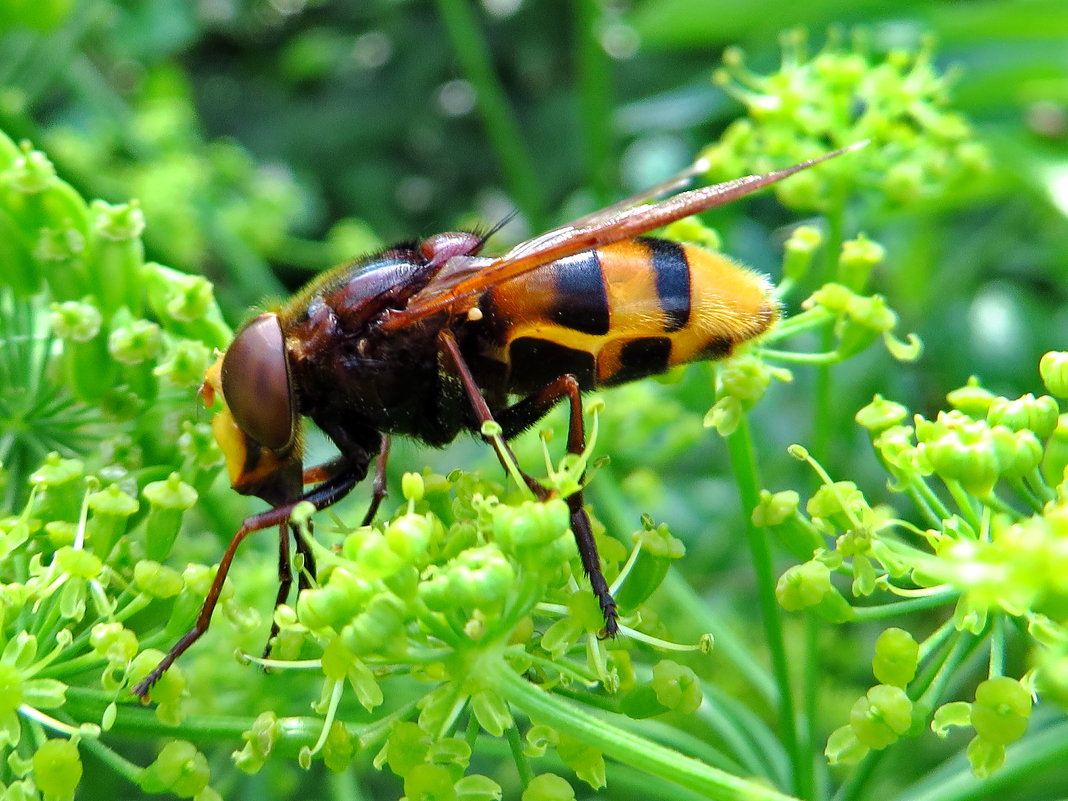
x=988, y=481
x=839, y=96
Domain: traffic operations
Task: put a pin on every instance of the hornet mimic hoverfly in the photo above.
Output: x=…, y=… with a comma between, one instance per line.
x=428, y=339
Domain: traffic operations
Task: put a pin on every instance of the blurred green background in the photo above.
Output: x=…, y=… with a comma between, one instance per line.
x=269, y=140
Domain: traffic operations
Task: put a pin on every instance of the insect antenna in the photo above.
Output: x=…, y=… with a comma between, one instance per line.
x=495, y=229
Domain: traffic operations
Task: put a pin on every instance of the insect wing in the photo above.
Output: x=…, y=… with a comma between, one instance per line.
x=614, y=224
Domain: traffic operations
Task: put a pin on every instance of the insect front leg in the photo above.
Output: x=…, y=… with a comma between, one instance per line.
x=326, y=494
x=522, y=415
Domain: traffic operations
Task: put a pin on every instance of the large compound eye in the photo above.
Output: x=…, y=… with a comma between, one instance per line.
x=256, y=384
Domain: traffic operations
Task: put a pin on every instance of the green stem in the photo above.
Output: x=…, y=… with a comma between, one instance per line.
x=88, y=705
x=883, y=611
x=124, y=767
x=794, y=357
x=743, y=463
x=800, y=323
x=623, y=746
x=595, y=98
x=964, y=503
x=824, y=418
x=1025, y=493
x=472, y=51
x=813, y=680
x=997, y=645
x=522, y=764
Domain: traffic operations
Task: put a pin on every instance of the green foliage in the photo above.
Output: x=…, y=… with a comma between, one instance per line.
x=451, y=650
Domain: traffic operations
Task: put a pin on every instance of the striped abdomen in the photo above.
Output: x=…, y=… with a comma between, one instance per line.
x=623, y=312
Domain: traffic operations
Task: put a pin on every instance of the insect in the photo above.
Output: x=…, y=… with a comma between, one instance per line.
x=428, y=339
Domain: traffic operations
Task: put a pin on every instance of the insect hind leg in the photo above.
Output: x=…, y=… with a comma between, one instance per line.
x=517, y=418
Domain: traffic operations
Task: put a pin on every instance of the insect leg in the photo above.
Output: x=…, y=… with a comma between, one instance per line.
x=324, y=495
x=378, y=488
x=522, y=415
x=482, y=410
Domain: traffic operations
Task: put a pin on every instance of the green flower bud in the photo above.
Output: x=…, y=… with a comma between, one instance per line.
x=881, y=717
x=1055, y=458
x=434, y=590
x=409, y=536
x=724, y=416
x=775, y=509
x=834, y=503
x=971, y=399
x=691, y=229
x=481, y=577
x=186, y=306
x=135, y=342
x=677, y=687
x=87, y=365
x=529, y=527
x=259, y=742
x=1053, y=367
x=338, y=749
x=168, y=500
x=406, y=748
x=429, y=783
x=808, y=586
x=61, y=533
x=77, y=563
x=843, y=747
x=803, y=586
x=548, y=787
x=157, y=580
x=336, y=603
x=59, y=251
x=803, y=243
x=167, y=692
x=63, y=485
x=179, y=769
x=475, y=787
x=111, y=509
x=956, y=713
x=1018, y=452
x=985, y=756
x=57, y=769
x=586, y=760
x=117, y=255
x=114, y=642
x=744, y=378
x=881, y=414
x=896, y=657
x=658, y=549
x=184, y=364
x=641, y=703
x=492, y=712
x=961, y=451
x=412, y=487
x=1001, y=710
x=378, y=627
x=372, y=554
x=859, y=256
x=75, y=321
x=1026, y=412
x=835, y=298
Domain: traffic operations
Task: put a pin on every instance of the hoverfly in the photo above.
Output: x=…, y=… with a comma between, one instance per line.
x=428, y=339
